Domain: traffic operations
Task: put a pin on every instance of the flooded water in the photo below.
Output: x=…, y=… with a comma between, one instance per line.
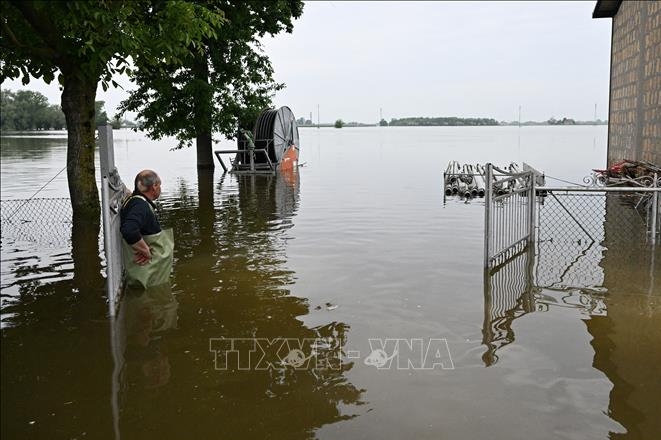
x=357, y=266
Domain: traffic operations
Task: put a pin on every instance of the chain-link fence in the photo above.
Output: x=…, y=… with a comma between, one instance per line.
x=589, y=241
x=45, y=222
x=576, y=230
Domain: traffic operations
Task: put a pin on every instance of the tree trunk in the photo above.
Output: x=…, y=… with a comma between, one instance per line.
x=204, y=151
x=203, y=108
x=78, y=106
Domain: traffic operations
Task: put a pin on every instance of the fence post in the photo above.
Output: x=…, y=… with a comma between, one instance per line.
x=488, y=205
x=655, y=208
x=110, y=227
x=532, y=199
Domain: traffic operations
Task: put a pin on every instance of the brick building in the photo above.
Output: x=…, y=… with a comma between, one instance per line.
x=634, y=119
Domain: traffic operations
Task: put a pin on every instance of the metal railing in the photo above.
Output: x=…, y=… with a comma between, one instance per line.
x=249, y=161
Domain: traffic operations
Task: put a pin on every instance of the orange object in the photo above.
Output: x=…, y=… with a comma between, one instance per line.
x=289, y=159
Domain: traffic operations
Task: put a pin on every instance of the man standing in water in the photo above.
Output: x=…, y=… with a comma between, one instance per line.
x=147, y=252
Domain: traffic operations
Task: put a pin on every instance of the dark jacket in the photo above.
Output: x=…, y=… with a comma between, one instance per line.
x=138, y=218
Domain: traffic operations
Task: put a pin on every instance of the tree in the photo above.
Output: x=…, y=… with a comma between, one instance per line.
x=339, y=123
x=28, y=110
x=224, y=89
x=84, y=44
x=56, y=119
x=383, y=123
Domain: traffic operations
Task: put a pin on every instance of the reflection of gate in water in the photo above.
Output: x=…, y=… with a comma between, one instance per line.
x=508, y=294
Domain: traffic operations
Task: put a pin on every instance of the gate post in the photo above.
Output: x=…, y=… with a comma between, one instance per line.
x=112, y=192
x=488, y=206
x=655, y=208
x=532, y=199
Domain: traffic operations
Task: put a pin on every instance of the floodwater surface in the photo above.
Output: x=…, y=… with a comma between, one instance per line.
x=346, y=300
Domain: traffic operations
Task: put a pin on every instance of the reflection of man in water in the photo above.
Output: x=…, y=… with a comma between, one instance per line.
x=148, y=315
x=138, y=217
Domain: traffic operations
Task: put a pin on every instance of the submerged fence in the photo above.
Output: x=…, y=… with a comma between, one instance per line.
x=517, y=213
x=587, y=240
x=46, y=222
x=509, y=219
x=577, y=226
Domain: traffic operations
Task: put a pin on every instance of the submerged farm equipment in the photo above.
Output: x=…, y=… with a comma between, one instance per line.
x=272, y=145
x=469, y=181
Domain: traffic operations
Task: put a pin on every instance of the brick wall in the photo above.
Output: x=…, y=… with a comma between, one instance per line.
x=635, y=103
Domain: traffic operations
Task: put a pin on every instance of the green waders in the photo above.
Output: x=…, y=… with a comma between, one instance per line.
x=157, y=270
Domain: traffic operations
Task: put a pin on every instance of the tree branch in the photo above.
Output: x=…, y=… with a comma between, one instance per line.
x=42, y=52
x=42, y=26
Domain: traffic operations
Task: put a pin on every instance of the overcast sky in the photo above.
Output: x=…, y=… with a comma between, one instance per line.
x=467, y=59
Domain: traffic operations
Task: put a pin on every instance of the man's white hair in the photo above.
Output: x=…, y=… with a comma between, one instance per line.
x=145, y=180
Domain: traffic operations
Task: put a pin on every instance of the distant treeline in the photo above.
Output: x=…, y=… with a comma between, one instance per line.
x=28, y=110
x=449, y=121
x=553, y=121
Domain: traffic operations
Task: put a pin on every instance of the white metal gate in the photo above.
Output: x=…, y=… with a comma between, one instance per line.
x=509, y=216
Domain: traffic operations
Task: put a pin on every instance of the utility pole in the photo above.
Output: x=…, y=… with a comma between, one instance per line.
x=318, y=116
x=595, y=113
x=519, y=115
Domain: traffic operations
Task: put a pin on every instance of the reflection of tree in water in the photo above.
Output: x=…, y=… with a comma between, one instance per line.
x=56, y=283
x=231, y=281
x=31, y=146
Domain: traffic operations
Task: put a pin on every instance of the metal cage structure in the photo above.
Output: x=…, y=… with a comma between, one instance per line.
x=272, y=144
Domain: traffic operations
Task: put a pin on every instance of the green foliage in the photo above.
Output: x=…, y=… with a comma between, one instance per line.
x=383, y=123
x=28, y=110
x=448, y=121
x=339, y=123
x=85, y=43
x=223, y=84
x=92, y=40
x=563, y=121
